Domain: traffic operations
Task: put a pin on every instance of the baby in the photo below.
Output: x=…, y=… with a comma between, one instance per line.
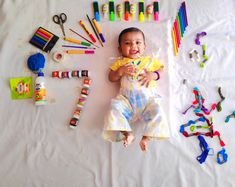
x=137, y=98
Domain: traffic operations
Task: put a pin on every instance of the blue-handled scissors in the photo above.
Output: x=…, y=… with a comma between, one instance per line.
x=60, y=19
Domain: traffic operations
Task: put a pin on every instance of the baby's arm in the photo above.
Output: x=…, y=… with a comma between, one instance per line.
x=115, y=76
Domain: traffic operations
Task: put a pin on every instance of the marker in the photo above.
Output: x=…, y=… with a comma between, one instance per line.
x=149, y=11
x=127, y=10
x=87, y=31
x=111, y=10
x=120, y=11
x=156, y=10
x=133, y=11
x=141, y=10
x=96, y=10
x=105, y=10
x=98, y=30
x=94, y=30
x=80, y=52
x=76, y=41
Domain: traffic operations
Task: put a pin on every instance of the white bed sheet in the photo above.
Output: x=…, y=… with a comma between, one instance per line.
x=38, y=149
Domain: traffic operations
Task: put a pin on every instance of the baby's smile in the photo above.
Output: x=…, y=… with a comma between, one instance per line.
x=133, y=52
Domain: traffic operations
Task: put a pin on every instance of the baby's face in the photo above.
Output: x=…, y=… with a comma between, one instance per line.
x=132, y=45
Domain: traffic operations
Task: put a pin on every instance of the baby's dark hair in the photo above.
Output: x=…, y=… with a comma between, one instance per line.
x=130, y=29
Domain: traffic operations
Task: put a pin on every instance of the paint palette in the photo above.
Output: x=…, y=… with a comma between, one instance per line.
x=44, y=39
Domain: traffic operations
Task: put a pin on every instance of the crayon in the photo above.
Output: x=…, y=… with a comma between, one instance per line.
x=177, y=33
x=185, y=13
x=39, y=41
x=179, y=26
x=43, y=35
x=174, y=43
x=182, y=20
x=45, y=32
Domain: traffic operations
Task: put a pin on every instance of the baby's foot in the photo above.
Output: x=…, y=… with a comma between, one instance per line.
x=144, y=143
x=128, y=139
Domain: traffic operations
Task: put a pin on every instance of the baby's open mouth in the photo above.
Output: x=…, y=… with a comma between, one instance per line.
x=133, y=52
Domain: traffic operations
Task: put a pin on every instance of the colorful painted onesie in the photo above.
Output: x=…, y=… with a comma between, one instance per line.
x=136, y=102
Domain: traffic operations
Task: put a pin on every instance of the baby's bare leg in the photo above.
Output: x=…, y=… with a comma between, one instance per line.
x=144, y=143
x=128, y=138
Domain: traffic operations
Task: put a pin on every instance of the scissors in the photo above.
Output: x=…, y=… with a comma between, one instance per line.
x=60, y=19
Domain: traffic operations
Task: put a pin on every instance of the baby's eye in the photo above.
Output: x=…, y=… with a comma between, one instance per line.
x=127, y=43
x=138, y=42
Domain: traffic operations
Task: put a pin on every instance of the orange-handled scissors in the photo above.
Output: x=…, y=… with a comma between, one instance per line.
x=60, y=19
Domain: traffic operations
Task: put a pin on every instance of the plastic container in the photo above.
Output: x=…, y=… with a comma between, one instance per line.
x=40, y=90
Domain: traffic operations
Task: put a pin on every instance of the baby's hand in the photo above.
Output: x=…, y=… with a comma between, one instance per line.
x=145, y=77
x=127, y=70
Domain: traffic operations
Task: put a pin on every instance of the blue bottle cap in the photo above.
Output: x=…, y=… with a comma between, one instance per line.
x=41, y=74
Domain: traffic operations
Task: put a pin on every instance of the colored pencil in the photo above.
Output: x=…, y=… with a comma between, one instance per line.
x=97, y=27
x=76, y=41
x=83, y=37
x=94, y=31
x=80, y=52
x=80, y=47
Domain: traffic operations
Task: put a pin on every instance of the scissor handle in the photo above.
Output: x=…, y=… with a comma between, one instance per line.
x=56, y=19
x=60, y=18
x=63, y=17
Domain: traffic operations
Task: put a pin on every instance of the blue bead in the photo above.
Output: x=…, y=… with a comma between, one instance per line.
x=227, y=119
x=196, y=88
x=202, y=119
x=191, y=122
x=197, y=110
x=182, y=128
x=234, y=113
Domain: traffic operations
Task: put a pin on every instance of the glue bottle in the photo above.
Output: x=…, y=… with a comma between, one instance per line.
x=40, y=90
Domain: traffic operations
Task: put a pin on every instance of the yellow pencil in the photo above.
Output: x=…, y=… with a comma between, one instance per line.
x=77, y=41
x=97, y=27
x=87, y=31
x=80, y=52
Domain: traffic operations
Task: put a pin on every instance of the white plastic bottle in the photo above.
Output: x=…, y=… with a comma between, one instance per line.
x=40, y=90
